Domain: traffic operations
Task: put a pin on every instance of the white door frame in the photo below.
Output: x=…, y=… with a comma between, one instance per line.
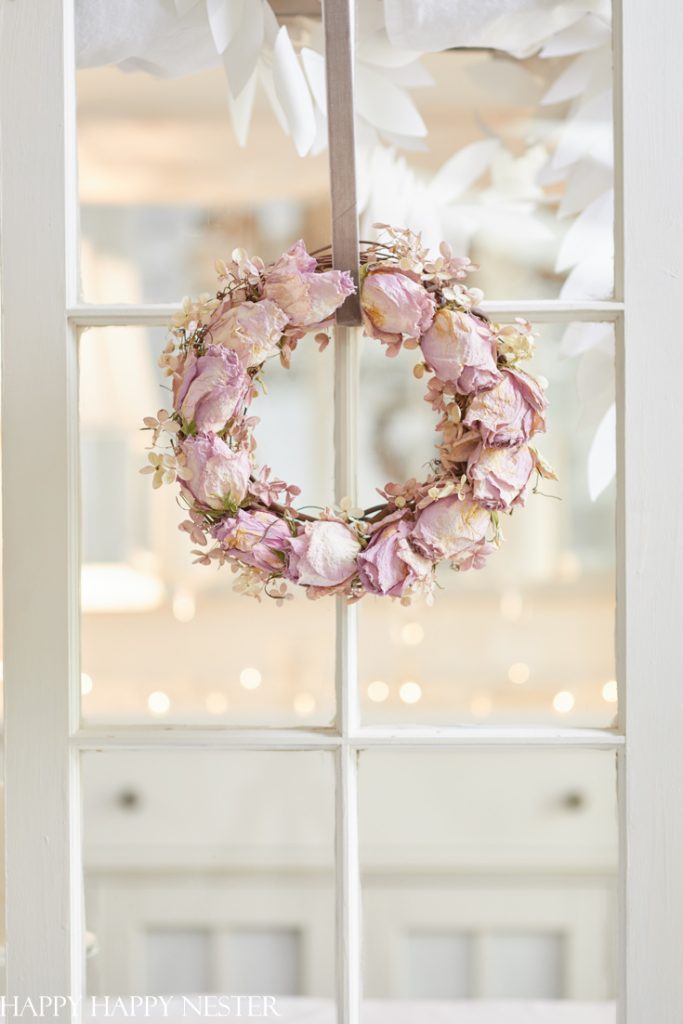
x=40, y=317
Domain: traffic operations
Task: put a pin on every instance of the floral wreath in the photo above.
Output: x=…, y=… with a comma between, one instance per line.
x=488, y=409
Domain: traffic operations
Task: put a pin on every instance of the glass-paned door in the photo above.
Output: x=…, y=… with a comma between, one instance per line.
x=365, y=814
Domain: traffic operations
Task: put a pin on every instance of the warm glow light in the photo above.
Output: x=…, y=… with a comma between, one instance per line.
x=250, y=678
x=519, y=672
x=511, y=605
x=216, y=702
x=481, y=705
x=86, y=684
x=410, y=692
x=158, y=702
x=609, y=692
x=117, y=587
x=564, y=701
x=378, y=691
x=184, y=605
x=304, y=704
x=412, y=634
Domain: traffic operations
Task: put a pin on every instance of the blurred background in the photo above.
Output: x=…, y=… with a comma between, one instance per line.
x=486, y=875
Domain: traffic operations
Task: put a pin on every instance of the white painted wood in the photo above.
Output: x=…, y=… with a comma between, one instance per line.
x=347, y=871
x=540, y=311
x=651, y=500
x=389, y=737
x=348, y=888
x=339, y=27
x=552, y=310
x=416, y=737
x=180, y=737
x=40, y=457
x=345, y=448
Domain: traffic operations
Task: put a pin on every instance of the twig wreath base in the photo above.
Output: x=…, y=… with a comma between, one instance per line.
x=488, y=409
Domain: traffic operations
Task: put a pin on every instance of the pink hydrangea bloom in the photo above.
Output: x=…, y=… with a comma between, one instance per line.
x=213, y=473
x=323, y=554
x=499, y=476
x=453, y=528
x=211, y=389
x=461, y=349
x=389, y=565
x=509, y=413
x=308, y=298
x=396, y=306
x=251, y=329
x=255, y=537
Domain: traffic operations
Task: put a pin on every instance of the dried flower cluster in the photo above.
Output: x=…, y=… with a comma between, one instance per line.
x=488, y=410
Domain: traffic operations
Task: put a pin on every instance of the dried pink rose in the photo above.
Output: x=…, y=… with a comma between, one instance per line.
x=251, y=329
x=307, y=297
x=499, y=476
x=389, y=565
x=396, y=306
x=323, y=554
x=212, y=472
x=453, y=528
x=211, y=388
x=509, y=413
x=461, y=349
x=255, y=537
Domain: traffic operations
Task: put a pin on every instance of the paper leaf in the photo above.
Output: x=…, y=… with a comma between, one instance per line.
x=314, y=66
x=586, y=34
x=586, y=181
x=462, y=170
x=241, y=108
x=385, y=105
x=239, y=60
x=572, y=82
x=405, y=142
x=580, y=337
x=587, y=132
x=602, y=457
x=590, y=233
x=224, y=20
x=374, y=47
x=592, y=279
x=293, y=93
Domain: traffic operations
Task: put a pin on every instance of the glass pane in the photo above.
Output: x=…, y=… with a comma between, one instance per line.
x=489, y=877
x=530, y=637
x=211, y=874
x=164, y=638
x=515, y=168
x=165, y=188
